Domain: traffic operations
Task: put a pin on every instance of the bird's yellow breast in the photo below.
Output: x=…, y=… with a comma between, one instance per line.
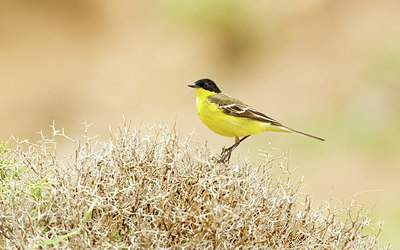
x=223, y=124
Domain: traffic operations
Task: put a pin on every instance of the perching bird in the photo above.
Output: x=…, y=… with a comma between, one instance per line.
x=230, y=117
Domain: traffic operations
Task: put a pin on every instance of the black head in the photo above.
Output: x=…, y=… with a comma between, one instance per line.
x=206, y=84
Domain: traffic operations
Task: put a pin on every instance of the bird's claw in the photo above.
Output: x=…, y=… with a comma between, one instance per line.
x=225, y=155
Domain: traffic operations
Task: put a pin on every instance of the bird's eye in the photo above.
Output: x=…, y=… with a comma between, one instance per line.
x=206, y=84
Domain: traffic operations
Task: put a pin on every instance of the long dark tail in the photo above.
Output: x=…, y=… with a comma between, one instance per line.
x=302, y=133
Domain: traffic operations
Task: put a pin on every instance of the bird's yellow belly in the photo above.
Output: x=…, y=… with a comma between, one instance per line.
x=226, y=125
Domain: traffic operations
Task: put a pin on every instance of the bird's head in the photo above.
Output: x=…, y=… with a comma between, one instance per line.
x=205, y=84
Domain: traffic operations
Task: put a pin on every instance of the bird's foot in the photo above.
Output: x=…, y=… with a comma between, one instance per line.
x=226, y=154
x=224, y=150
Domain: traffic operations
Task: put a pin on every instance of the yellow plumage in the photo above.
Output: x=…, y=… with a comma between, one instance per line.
x=226, y=125
x=230, y=117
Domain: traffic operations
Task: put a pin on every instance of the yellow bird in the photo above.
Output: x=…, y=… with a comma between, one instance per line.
x=230, y=117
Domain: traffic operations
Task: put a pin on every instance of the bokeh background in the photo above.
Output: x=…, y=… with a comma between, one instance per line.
x=330, y=68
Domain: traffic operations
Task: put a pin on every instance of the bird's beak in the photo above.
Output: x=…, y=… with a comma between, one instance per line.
x=193, y=86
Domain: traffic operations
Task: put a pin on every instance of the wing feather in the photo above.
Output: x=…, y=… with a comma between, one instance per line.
x=234, y=107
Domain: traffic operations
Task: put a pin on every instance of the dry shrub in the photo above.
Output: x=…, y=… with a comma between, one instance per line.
x=161, y=191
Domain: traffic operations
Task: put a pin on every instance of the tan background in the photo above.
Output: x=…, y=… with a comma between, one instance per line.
x=331, y=68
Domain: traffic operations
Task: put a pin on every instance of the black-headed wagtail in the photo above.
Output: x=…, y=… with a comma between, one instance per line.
x=230, y=117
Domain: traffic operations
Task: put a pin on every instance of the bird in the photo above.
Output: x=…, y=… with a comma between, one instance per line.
x=230, y=117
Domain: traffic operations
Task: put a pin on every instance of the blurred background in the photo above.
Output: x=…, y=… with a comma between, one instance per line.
x=330, y=68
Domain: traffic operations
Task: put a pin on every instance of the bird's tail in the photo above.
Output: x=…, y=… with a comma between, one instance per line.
x=301, y=133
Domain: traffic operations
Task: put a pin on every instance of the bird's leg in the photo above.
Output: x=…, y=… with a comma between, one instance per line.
x=231, y=148
x=226, y=152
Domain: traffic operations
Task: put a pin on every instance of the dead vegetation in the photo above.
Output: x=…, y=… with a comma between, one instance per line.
x=161, y=191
